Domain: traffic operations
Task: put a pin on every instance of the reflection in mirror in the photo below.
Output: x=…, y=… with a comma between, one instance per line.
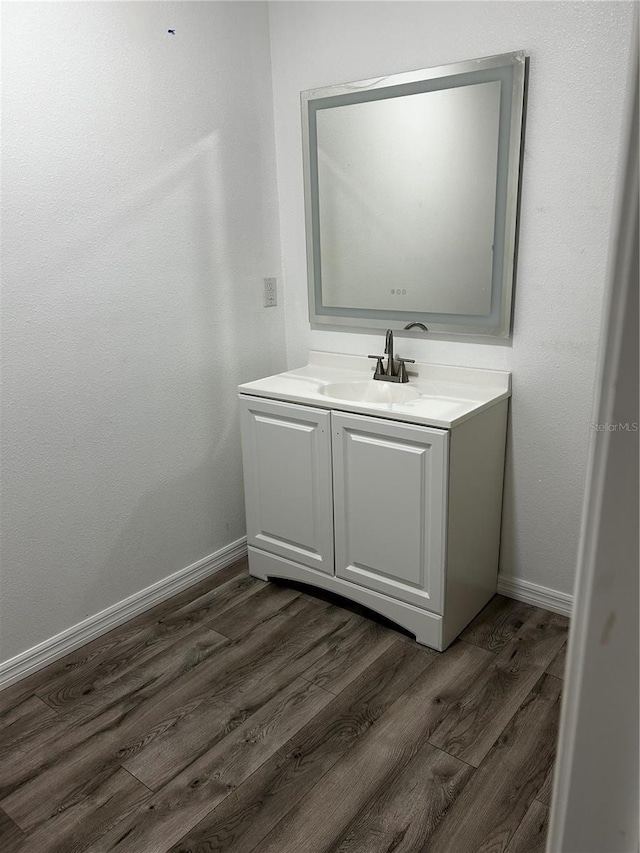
x=411, y=195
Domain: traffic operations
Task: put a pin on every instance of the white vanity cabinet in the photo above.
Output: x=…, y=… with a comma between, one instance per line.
x=403, y=518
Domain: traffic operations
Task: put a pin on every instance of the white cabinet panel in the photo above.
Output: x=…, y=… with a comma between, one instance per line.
x=287, y=471
x=390, y=496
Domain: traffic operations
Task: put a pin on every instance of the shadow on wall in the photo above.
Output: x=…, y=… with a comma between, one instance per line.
x=509, y=556
x=79, y=239
x=190, y=190
x=539, y=487
x=184, y=518
x=174, y=524
x=144, y=403
x=143, y=214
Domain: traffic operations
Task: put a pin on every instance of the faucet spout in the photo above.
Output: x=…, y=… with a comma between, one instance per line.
x=391, y=373
x=388, y=349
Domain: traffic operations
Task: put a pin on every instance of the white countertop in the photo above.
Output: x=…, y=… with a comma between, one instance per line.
x=444, y=396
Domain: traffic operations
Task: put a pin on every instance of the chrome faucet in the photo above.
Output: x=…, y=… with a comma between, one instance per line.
x=391, y=373
x=388, y=350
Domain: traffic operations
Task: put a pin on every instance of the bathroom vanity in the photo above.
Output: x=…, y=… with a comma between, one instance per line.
x=382, y=483
x=387, y=494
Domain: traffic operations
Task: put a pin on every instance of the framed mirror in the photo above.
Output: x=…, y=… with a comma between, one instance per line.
x=411, y=196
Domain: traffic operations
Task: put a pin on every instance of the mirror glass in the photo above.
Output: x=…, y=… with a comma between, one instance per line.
x=411, y=186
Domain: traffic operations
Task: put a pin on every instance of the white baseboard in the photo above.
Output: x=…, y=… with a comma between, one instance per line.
x=72, y=638
x=533, y=593
x=61, y=644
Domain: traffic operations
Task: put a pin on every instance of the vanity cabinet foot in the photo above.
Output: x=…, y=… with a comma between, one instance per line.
x=426, y=626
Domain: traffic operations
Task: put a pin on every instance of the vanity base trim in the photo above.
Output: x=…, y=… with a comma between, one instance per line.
x=426, y=626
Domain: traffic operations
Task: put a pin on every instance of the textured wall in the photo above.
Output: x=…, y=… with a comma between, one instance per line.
x=139, y=217
x=579, y=54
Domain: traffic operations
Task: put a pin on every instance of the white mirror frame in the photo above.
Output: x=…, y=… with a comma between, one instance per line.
x=498, y=322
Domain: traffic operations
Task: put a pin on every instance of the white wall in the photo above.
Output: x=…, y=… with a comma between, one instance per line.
x=579, y=54
x=139, y=217
x=596, y=794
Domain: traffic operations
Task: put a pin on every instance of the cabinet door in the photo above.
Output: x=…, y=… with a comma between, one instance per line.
x=390, y=507
x=287, y=476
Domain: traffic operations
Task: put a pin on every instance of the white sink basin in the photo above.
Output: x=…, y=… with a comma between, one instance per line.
x=370, y=391
x=436, y=395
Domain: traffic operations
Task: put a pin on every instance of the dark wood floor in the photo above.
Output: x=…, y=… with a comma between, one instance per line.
x=242, y=716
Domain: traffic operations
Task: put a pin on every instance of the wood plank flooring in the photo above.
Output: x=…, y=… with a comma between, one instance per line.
x=244, y=717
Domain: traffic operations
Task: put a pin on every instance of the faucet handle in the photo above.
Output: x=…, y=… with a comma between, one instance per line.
x=379, y=371
x=402, y=370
